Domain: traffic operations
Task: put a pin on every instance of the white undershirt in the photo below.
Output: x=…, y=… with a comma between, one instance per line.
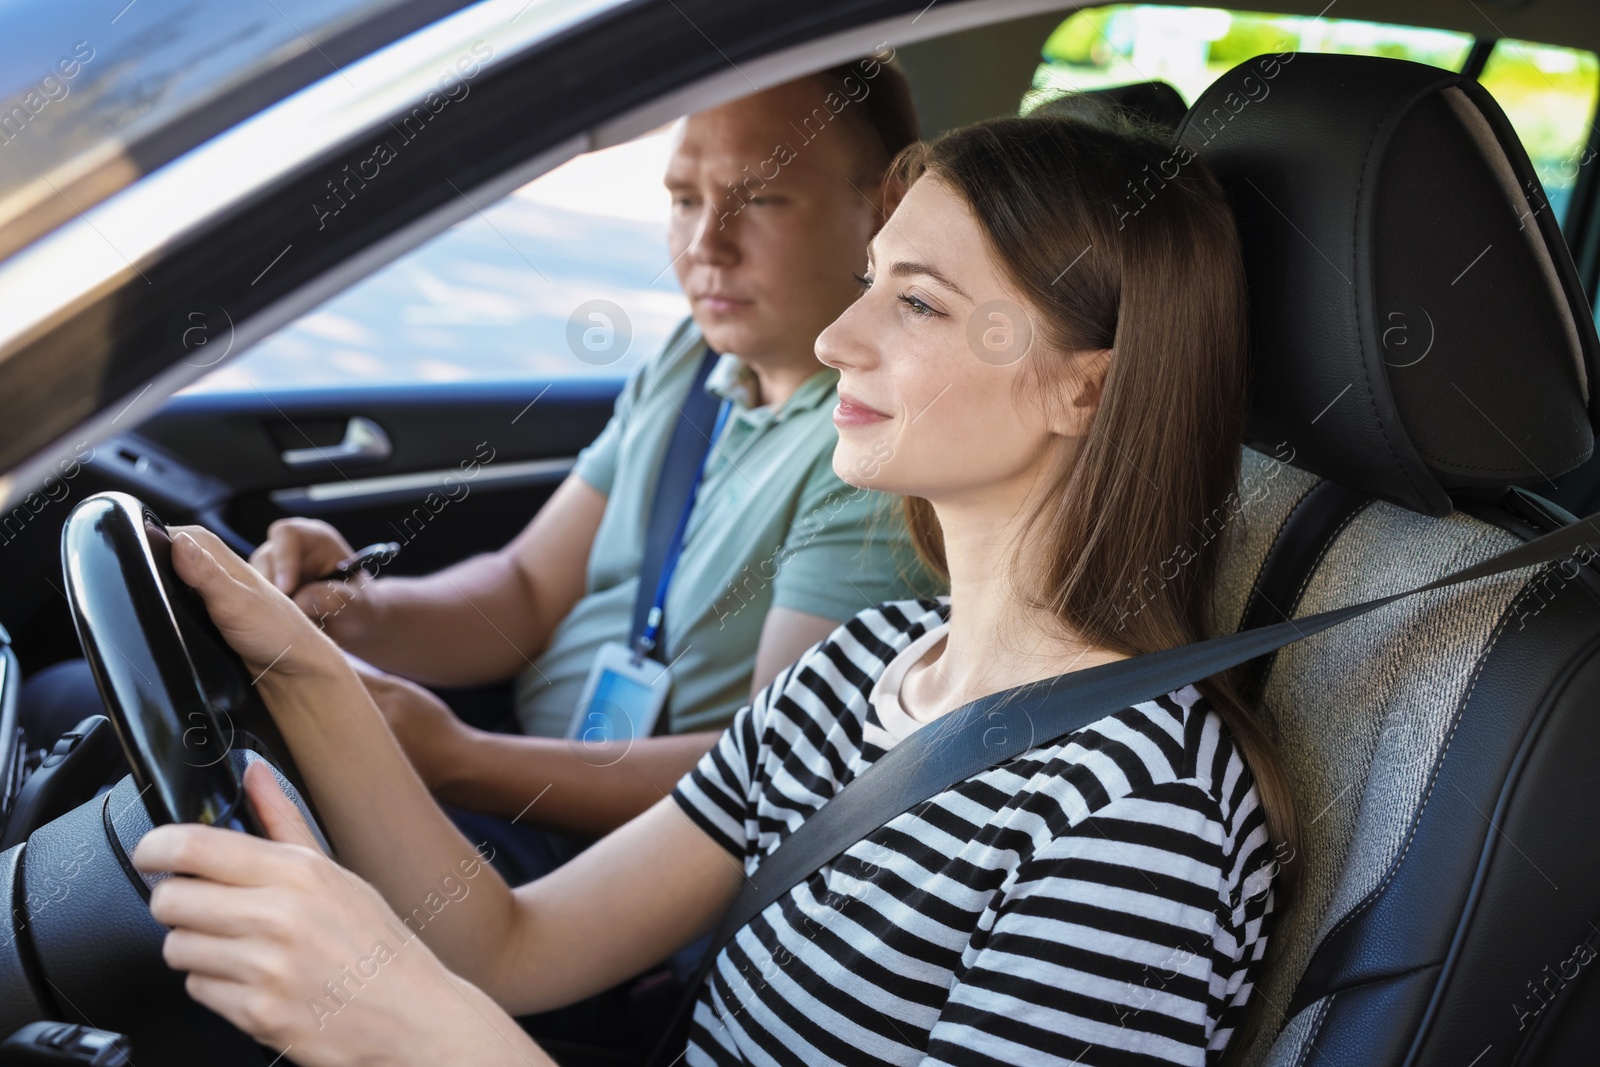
x=898, y=723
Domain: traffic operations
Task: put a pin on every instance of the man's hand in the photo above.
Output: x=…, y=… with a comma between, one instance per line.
x=298, y=552
x=426, y=727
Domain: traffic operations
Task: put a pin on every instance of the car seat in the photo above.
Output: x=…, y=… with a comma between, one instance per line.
x=1422, y=362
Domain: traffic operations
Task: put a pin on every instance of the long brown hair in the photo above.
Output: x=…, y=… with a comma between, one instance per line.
x=1117, y=242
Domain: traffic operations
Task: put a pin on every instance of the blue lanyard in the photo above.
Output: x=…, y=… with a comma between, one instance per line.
x=647, y=640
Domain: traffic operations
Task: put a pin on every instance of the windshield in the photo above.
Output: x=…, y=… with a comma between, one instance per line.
x=91, y=99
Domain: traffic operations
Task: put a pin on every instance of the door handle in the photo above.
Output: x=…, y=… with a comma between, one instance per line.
x=364, y=444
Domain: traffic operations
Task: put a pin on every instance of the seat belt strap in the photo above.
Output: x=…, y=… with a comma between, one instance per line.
x=645, y=642
x=681, y=467
x=1001, y=726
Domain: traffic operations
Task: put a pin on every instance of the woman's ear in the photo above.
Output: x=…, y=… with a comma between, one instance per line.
x=1086, y=382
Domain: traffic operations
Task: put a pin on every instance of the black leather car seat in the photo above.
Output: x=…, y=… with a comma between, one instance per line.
x=1421, y=352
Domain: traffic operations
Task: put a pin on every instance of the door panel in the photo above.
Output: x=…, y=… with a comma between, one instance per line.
x=465, y=465
x=470, y=464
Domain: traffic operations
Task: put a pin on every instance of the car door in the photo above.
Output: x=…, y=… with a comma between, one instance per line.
x=445, y=472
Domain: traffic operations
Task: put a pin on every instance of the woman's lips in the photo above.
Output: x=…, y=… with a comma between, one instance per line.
x=852, y=412
x=721, y=303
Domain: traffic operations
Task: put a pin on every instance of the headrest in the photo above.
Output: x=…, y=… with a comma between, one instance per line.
x=1417, y=323
x=1156, y=102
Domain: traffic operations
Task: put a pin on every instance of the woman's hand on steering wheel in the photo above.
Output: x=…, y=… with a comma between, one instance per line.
x=268, y=631
x=298, y=952
x=278, y=938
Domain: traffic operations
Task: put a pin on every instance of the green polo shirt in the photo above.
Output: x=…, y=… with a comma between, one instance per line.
x=772, y=525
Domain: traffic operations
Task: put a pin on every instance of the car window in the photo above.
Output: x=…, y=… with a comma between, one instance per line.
x=1547, y=92
x=1190, y=47
x=568, y=276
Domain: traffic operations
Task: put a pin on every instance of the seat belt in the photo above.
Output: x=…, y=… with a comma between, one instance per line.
x=681, y=467
x=1001, y=726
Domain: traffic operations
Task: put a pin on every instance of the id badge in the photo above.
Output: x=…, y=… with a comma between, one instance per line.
x=620, y=700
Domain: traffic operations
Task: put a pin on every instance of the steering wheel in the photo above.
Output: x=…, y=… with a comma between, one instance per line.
x=80, y=943
x=179, y=697
x=11, y=743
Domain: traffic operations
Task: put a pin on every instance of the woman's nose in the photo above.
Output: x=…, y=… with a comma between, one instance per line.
x=845, y=342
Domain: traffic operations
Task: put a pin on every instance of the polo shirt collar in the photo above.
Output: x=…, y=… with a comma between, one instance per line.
x=732, y=379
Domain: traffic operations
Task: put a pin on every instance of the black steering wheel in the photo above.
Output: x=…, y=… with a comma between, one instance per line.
x=180, y=698
x=81, y=945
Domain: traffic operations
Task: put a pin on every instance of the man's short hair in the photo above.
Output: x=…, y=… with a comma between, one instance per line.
x=880, y=107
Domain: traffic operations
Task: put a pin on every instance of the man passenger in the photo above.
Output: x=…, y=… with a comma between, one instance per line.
x=774, y=198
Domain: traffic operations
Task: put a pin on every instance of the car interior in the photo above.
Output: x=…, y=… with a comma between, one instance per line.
x=1441, y=747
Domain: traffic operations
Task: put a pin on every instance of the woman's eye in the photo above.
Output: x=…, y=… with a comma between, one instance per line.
x=863, y=280
x=917, y=306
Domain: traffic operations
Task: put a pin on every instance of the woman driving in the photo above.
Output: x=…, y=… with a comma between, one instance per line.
x=1050, y=368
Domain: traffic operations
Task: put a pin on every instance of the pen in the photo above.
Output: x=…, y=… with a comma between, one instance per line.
x=379, y=555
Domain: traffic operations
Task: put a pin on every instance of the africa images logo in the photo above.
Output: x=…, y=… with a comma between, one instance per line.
x=452, y=87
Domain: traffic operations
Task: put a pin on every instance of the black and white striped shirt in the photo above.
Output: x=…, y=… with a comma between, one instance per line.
x=1099, y=900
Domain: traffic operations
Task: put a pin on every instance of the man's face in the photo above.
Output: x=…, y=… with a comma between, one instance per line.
x=768, y=227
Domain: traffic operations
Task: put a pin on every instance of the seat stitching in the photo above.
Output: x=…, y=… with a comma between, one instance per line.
x=1416, y=822
x=1323, y=554
x=1366, y=371
x=1486, y=467
x=1255, y=586
x=1289, y=610
x=1323, y=1006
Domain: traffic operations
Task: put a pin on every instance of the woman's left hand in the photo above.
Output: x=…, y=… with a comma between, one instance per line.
x=297, y=951
x=272, y=636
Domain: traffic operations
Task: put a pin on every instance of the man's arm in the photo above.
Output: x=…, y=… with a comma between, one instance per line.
x=481, y=620
x=785, y=636
x=577, y=788
x=478, y=621
x=563, y=785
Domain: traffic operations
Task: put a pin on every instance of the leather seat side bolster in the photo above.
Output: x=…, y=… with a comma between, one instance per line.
x=1463, y=856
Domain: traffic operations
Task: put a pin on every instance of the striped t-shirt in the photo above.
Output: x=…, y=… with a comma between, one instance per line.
x=1098, y=900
